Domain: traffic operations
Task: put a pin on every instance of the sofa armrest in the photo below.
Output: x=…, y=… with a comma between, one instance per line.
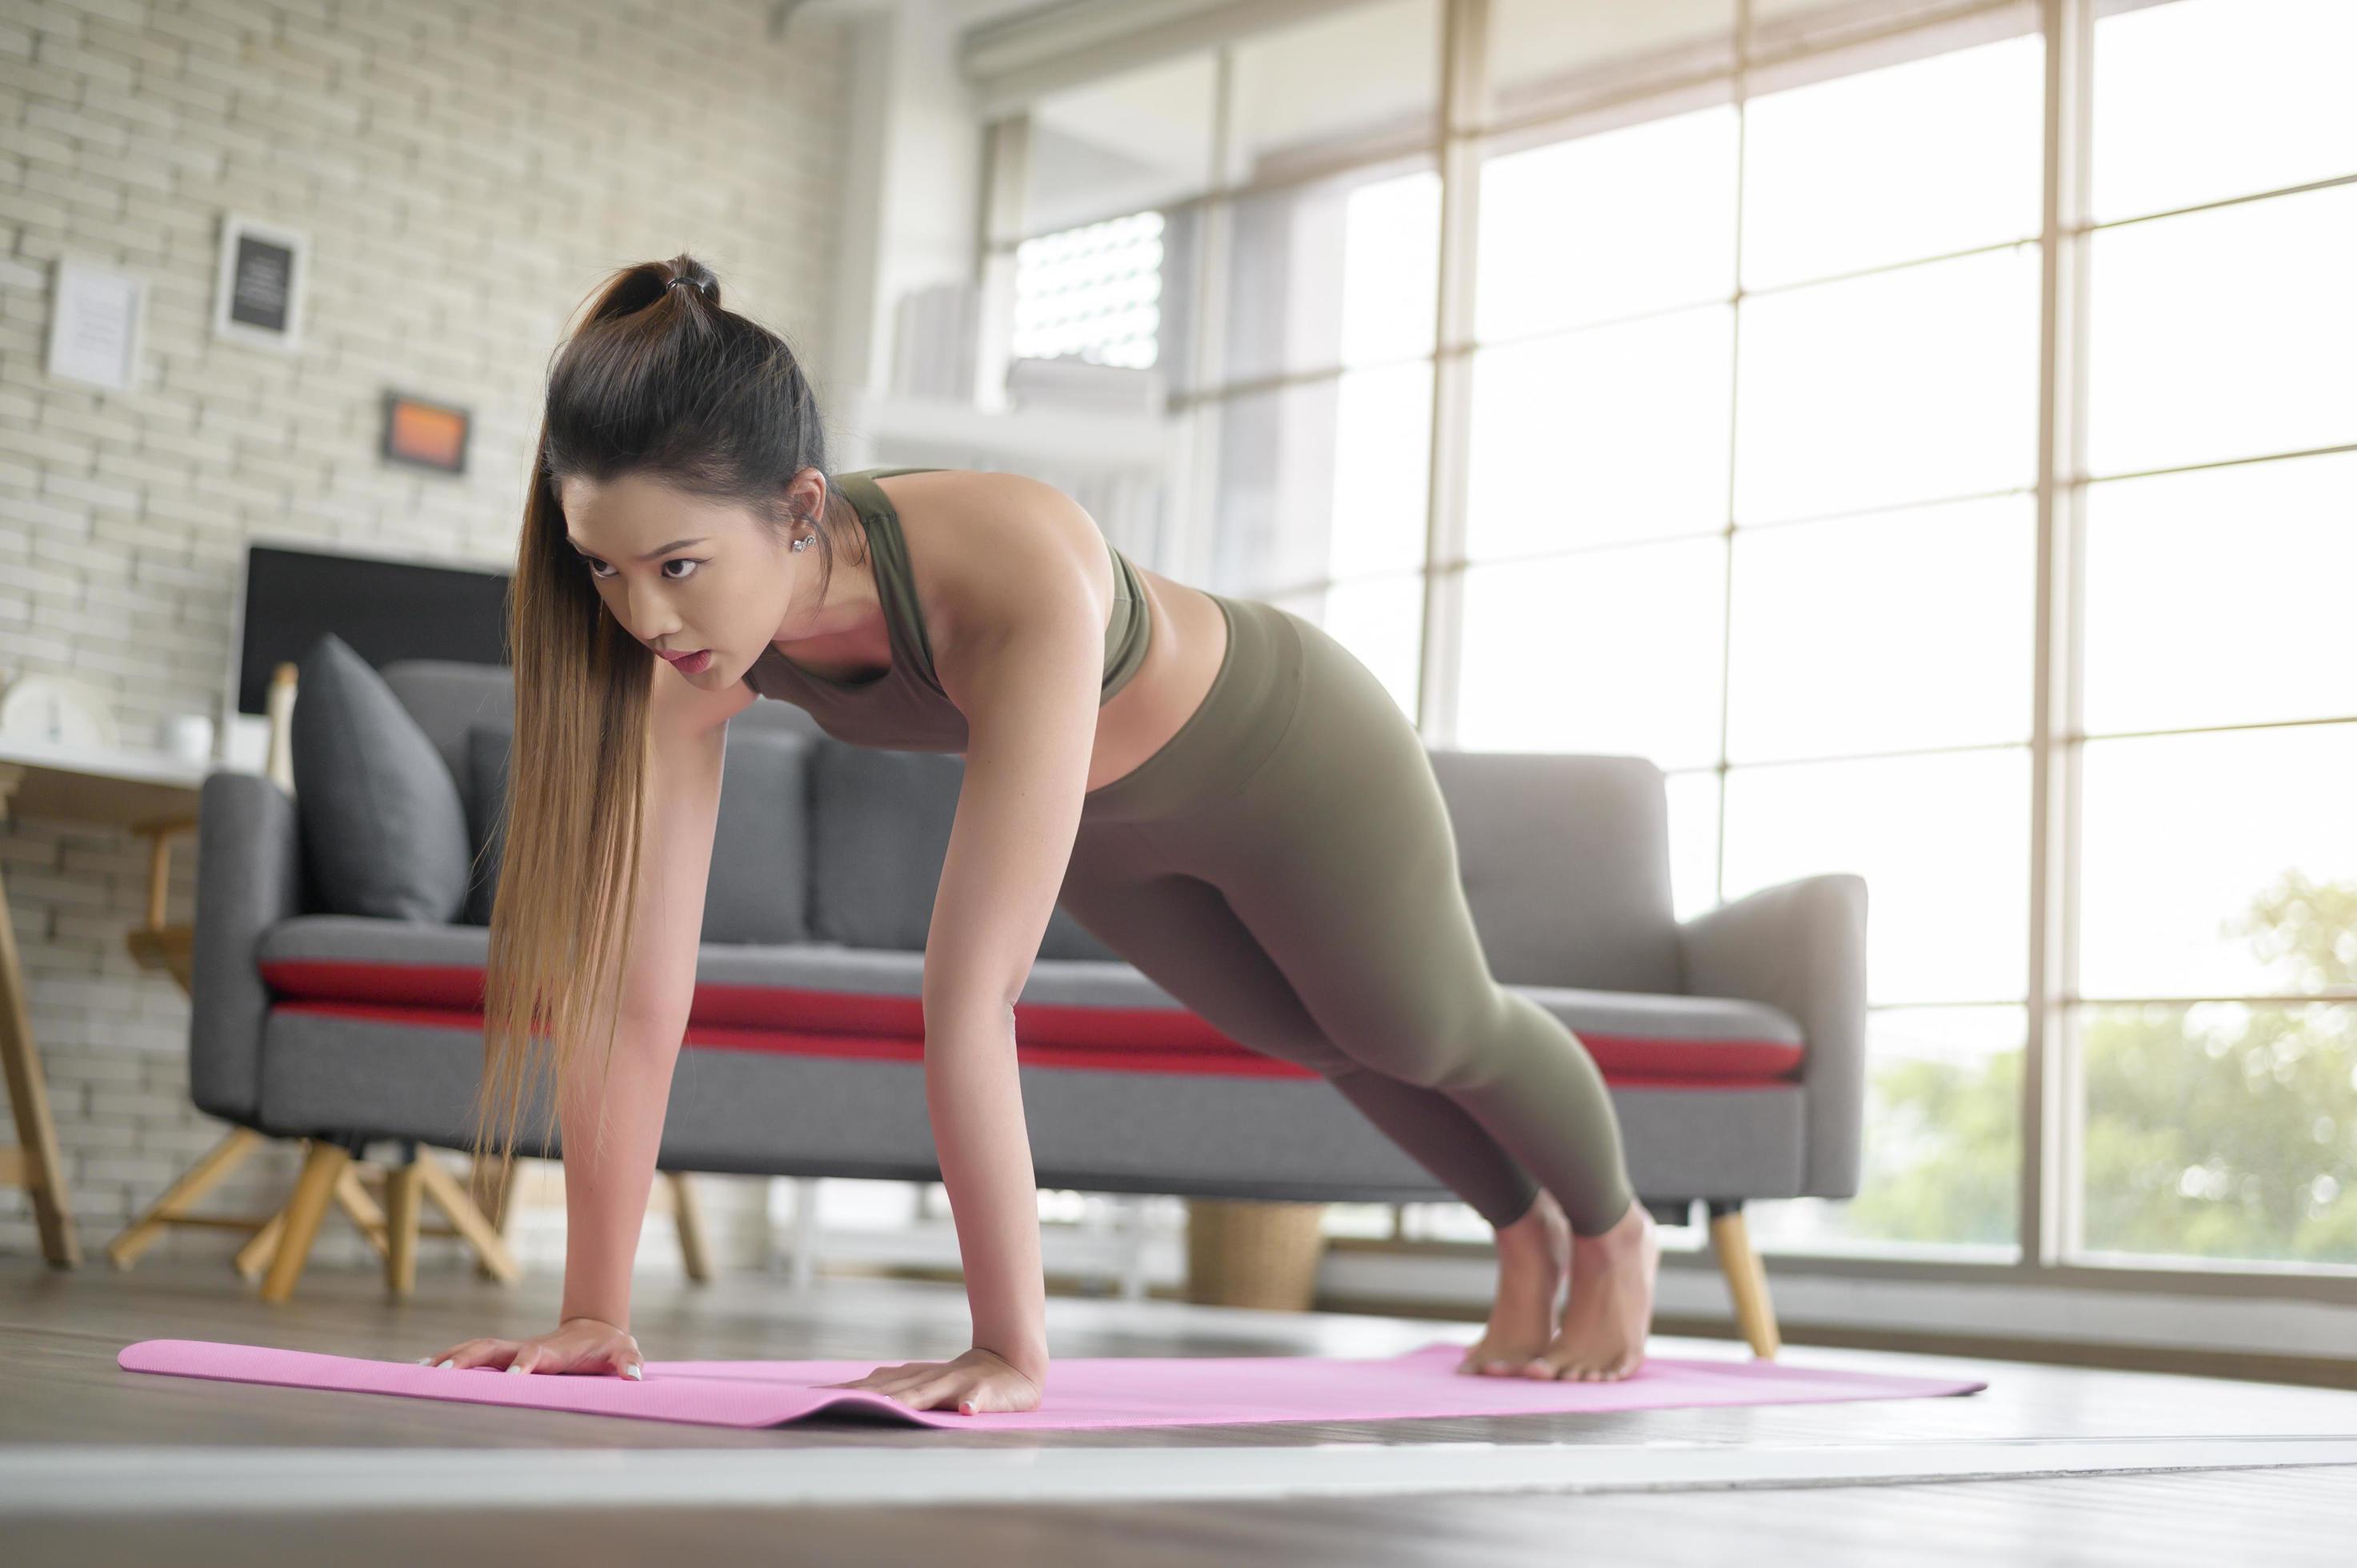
x=249, y=877
x=1800, y=946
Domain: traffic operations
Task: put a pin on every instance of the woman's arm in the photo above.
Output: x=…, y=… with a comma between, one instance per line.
x=975, y=1103
x=1024, y=666
x=606, y=1189
x=1030, y=696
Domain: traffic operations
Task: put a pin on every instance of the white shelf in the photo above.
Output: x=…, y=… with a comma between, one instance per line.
x=1035, y=434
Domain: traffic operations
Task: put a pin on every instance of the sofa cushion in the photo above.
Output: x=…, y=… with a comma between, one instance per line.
x=879, y=830
x=758, y=888
x=384, y=827
x=880, y=824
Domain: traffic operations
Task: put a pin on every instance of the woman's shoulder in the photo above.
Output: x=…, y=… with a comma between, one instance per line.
x=982, y=543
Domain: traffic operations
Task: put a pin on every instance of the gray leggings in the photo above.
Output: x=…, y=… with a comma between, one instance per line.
x=1285, y=868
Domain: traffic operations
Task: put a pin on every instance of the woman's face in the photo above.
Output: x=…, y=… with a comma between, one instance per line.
x=685, y=575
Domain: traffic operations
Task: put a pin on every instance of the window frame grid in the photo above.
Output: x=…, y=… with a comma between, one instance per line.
x=2050, y=1192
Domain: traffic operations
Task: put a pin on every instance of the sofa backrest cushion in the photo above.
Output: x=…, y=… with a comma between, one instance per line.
x=485, y=777
x=758, y=888
x=383, y=824
x=448, y=697
x=880, y=826
x=1566, y=864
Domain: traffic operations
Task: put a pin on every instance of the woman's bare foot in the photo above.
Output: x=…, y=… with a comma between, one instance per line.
x=1602, y=1339
x=1534, y=1254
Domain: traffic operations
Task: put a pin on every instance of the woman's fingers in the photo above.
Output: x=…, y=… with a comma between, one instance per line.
x=949, y=1389
x=968, y=1390
x=544, y=1354
x=883, y=1379
x=471, y=1353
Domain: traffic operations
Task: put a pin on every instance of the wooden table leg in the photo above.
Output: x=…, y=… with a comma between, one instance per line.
x=38, y=1164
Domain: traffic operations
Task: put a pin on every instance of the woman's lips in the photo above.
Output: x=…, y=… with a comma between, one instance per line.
x=691, y=663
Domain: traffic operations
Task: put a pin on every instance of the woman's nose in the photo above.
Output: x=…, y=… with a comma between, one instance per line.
x=648, y=615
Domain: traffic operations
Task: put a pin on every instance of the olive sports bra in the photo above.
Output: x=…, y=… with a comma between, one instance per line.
x=904, y=708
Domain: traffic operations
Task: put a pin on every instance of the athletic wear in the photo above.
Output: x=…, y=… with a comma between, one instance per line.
x=1285, y=868
x=905, y=708
x=1284, y=865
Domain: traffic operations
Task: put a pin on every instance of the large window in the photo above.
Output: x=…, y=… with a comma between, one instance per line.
x=1802, y=417
x=2218, y=852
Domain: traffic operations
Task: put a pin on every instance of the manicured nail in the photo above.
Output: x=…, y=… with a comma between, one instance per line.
x=426, y=1360
x=441, y=1366
x=514, y=1366
x=632, y=1371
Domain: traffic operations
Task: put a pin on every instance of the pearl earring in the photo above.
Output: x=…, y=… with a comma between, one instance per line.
x=805, y=542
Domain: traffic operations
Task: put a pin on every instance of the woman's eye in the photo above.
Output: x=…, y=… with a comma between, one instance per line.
x=596, y=571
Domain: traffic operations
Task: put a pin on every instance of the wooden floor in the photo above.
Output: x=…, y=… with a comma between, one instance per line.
x=63, y=1401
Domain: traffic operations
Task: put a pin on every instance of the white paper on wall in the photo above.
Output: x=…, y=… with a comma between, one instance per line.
x=94, y=325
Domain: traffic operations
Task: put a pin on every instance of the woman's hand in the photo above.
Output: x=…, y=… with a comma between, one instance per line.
x=575, y=1345
x=977, y=1381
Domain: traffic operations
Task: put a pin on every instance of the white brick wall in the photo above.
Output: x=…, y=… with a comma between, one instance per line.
x=466, y=172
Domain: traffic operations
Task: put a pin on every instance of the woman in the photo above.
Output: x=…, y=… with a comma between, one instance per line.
x=1212, y=786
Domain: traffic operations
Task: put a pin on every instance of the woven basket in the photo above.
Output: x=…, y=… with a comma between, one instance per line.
x=1252, y=1253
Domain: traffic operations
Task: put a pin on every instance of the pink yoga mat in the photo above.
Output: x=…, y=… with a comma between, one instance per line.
x=1083, y=1394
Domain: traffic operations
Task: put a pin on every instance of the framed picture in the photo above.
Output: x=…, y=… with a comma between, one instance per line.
x=258, y=284
x=429, y=434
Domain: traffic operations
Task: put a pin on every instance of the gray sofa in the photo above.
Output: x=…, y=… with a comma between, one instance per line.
x=1733, y=1042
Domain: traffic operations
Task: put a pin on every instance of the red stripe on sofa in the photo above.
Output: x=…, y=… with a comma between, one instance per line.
x=836, y=1023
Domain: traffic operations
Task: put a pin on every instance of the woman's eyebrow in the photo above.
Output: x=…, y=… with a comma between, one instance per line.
x=658, y=550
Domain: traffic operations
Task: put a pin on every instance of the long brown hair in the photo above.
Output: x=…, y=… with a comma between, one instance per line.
x=659, y=380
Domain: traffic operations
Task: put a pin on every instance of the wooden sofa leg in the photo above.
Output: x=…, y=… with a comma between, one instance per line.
x=692, y=1253
x=404, y=1188
x=453, y=1200
x=313, y=1191
x=354, y=1198
x=195, y=1182
x=1747, y=1280
x=499, y=1177
x=256, y=1255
